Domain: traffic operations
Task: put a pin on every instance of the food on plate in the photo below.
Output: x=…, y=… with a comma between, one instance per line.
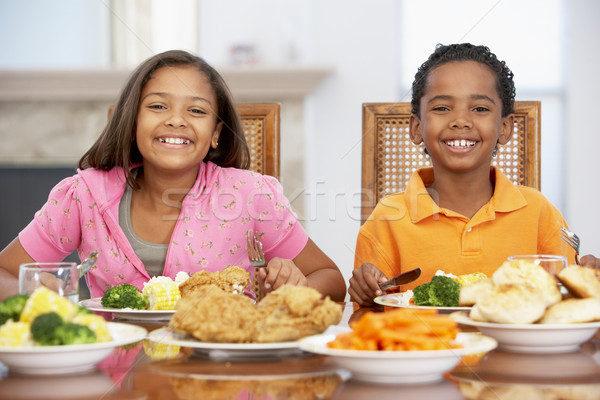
x=523, y=271
x=442, y=291
x=522, y=292
x=292, y=312
x=581, y=281
x=467, y=279
x=481, y=390
x=162, y=293
x=510, y=304
x=232, y=280
x=212, y=315
x=400, y=329
x=124, y=296
x=471, y=292
x=48, y=319
x=11, y=307
x=572, y=311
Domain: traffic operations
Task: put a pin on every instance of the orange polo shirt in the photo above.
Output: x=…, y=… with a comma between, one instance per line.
x=408, y=230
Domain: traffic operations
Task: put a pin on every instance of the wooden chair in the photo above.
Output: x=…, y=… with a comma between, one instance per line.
x=261, y=128
x=260, y=122
x=389, y=157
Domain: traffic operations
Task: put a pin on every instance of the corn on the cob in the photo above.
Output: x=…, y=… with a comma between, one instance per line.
x=97, y=324
x=15, y=334
x=162, y=293
x=470, y=278
x=44, y=300
x=160, y=351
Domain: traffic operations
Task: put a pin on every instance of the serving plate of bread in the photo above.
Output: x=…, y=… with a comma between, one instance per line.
x=523, y=308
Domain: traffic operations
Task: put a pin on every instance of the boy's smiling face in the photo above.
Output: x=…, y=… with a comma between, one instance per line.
x=461, y=118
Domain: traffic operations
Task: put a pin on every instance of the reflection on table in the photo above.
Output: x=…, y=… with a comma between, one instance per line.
x=147, y=370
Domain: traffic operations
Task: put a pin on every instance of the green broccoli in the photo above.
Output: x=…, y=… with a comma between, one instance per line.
x=43, y=329
x=442, y=291
x=124, y=296
x=70, y=333
x=12, y=306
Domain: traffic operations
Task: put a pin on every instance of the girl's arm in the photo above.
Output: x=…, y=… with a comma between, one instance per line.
x=311, y=267
x=11, y=257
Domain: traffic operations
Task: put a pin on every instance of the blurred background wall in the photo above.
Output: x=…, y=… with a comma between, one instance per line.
x=63, y=62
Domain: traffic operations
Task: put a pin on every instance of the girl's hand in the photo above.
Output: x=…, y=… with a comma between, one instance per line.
x=279, y=272
x=364, y=284
x=590, y=261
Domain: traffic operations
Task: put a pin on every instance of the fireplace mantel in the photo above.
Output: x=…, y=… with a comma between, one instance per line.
x=247, y=84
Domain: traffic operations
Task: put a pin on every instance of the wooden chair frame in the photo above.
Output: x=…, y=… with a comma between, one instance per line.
x=380, y=119
x=261, y=123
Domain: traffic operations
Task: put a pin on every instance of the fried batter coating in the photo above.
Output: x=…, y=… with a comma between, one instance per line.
x=231, y=280
x=212, y=315
x=292, y=312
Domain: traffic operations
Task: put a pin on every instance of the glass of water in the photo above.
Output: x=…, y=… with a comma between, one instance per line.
x=62, y=277
x=553, y=264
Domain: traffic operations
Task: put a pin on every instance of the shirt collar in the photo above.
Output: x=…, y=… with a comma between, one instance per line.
x=506, y=197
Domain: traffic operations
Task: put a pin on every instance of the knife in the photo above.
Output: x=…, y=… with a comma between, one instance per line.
x=401, y=279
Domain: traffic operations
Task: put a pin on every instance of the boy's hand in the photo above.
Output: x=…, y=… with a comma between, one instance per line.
x=590, y=261
x=364, y=284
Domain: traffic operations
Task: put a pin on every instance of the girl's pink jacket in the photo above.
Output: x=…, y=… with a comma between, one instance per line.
x=210, y=234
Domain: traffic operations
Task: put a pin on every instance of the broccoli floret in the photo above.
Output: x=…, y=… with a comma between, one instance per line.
x=421, y=295
x=70, y=333
x=442, y=291
x=124, y=296
x=4, y=318
x=83, y=310
x=43, y=329
x=12, y=306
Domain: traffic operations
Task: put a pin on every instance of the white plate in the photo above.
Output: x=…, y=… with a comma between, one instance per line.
x=396, y=300
x=534, y=338
x=120, y=313
x=44, y=360
x=397, y=366
x=225, y=350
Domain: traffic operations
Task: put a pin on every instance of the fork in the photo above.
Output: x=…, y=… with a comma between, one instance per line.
x=572, y=239
x=257, y=260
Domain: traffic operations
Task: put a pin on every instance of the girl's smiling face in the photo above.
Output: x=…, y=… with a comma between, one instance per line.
x=461, y=117
x=177, y=120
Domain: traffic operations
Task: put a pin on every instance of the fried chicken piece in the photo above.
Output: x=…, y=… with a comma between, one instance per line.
x=293, y=312
x=212, y=315
x=231, y=280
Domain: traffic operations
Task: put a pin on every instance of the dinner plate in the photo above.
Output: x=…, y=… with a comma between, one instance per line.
x=533, y=338
x=225, y=350
x=45, y=360
x=396, y=300
x=95, y=304
x=397, y=366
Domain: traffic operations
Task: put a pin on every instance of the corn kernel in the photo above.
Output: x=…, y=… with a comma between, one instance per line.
x=97, y=324
x=162, y=294
x=15, y=334
x=44, y=300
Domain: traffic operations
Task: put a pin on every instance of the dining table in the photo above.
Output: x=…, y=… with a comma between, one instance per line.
x=146, y=370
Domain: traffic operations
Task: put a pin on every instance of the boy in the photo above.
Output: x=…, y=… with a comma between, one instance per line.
x=462, y=215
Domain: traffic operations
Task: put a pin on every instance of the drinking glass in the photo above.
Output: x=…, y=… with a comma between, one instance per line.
x=62, y=277
x=553, y=264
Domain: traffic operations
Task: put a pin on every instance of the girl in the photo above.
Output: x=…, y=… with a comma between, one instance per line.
x=165, y=189
x=462, y=215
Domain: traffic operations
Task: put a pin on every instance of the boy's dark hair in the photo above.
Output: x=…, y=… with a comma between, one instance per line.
x=116, y=145
x=465, y=52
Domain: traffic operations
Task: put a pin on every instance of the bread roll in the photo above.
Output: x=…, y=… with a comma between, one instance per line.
x=510, y=304
x=572, y=311
x=581, y=281
x=470, y=293
x=519, y=271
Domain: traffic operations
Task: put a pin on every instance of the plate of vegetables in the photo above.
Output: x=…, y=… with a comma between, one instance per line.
x=441, y=293
x=48, y=334
x=156, y=302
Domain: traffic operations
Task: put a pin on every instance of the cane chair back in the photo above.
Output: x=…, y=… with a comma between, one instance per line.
x=389, y=157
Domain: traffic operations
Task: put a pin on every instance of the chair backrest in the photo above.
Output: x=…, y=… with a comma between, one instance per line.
x=389, y=157
x=261, y=128
x=260, y=122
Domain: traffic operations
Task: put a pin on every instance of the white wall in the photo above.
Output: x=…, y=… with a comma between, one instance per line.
x=582, y=132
